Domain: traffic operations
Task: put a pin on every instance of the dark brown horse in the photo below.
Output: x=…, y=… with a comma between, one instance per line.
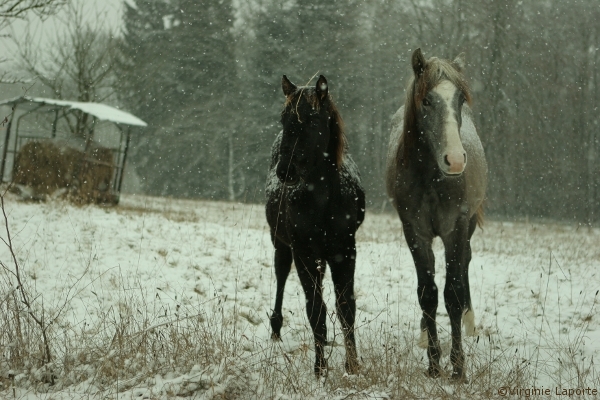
x=315, y=204
x=437, y=177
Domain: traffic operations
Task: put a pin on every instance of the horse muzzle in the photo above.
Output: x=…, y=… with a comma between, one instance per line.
x=454, y=163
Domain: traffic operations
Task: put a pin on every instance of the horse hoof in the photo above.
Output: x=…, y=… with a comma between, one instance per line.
x=321, y=369
x=432, y=372
x=458, y=378
x=321, y=372
x=352, y=368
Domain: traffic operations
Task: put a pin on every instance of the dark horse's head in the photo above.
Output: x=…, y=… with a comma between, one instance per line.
x=435, y=97
x=312, y=131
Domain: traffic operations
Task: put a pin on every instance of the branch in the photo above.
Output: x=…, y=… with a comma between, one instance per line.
x=24, y=296
x=11, y=9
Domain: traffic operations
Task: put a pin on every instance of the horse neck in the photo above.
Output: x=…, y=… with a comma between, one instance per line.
x=337, y=140
x=330, y=162
x=325, y=173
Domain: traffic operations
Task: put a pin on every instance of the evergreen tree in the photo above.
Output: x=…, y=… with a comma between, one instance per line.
x=179, y=72
x=146, y=85
x=301, y=39
x=145, y=60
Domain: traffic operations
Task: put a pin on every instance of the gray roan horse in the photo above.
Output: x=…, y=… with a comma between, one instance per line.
x=437, y=177
x=315, y=204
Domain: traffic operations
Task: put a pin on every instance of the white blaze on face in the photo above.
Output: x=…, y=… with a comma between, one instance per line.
x=453, y=154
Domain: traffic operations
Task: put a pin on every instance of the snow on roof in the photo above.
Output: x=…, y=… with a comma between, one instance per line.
x=98, y=110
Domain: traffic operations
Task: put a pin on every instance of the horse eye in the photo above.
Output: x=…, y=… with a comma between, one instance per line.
x=426, y=103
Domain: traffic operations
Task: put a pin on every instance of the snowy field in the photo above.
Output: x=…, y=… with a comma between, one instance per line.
x=161, y=298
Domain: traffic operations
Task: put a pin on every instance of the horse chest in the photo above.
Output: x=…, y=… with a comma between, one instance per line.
x=319, y=224
x=432, y=209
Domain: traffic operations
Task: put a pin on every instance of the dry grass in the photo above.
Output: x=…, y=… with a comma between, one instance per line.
x=201, y=350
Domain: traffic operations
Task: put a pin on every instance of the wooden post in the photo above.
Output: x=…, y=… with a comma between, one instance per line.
x=6, y=139
x=124, y=159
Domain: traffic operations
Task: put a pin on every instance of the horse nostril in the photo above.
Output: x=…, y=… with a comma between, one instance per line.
x=453, y=163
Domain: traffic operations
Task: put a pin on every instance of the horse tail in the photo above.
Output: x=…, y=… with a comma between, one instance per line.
x=479, y=216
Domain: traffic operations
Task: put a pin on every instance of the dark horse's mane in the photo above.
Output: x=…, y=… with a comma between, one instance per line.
x=435, y=71
x=338, y=144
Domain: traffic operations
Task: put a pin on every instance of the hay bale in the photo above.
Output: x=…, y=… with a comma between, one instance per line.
x=95, y=176
x=46, y=168
x=43, y=167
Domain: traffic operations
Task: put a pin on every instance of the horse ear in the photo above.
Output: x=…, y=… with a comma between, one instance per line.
x=322, y=88
x=418, y=62
x=459, y=62
x=287, y=86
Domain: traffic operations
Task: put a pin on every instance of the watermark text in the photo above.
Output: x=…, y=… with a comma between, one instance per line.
x=543, y=391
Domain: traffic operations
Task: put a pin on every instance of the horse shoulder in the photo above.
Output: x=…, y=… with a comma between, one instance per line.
x=476, y=170
x=276, y=205
x=273, y=185
x=470, y=138
x=352, y=194
x=350, y=183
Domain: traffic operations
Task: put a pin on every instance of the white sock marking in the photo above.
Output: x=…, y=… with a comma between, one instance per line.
x=423, y=341
x=469, y=323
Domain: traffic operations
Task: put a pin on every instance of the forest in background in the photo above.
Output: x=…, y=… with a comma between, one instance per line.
x=205, y=76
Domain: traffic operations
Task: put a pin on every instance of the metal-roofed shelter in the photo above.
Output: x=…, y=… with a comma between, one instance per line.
x=26, y=106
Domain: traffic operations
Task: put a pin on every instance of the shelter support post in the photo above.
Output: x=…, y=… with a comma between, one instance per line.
x=54, y=123
x=6, y=140
x=124, y=159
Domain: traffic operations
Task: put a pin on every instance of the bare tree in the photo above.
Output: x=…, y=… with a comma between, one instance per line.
x=11, y=9
x=77, y=65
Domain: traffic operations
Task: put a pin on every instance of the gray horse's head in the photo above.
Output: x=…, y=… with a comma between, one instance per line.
x=437, y=93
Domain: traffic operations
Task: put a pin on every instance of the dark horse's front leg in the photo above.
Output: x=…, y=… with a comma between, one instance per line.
x=310, y=271
x=456, y=291
x=283, y=264
x=427, y=292
x=342, y=265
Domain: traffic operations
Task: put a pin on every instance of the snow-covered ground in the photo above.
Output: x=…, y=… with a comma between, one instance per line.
x=162, y=263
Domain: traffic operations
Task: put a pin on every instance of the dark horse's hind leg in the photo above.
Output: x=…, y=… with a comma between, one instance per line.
x=458, y=251
x=342, y=274
x=283, y=264
x=428, y=294
x=311, y=271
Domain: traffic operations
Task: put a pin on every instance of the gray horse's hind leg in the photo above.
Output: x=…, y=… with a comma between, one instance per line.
x=469, y=315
